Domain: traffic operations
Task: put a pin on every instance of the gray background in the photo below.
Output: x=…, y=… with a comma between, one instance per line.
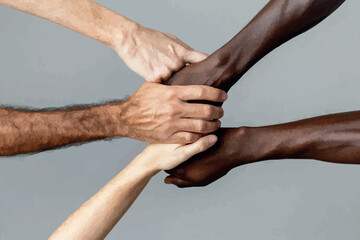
x=45, y=65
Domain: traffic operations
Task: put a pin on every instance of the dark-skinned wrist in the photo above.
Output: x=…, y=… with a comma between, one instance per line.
x=253, y=145
x=284, y=142
x=256, y=144
x=233, y=59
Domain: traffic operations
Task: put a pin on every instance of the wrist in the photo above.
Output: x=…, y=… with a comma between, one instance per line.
x=124, y=34
x=251, y=145
x=144, y=162
x=110, y=117
x=262, y=143
x=282, y=142
x=232, y=60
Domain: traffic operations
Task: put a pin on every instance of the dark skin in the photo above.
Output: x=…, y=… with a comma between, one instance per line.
x=276, y=23
x=332, y=138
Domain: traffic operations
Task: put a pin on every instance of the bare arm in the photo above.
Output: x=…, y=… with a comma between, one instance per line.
x=152, y=54
x=276, y=23
x=154, y=113
x=332, y=138
x=95, y=218
x=29, y=131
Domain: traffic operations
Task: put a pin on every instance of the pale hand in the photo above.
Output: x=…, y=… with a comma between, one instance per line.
x=157, y=157
x=155, y=55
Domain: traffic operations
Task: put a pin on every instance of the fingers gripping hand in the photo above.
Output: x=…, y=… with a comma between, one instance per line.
x=168, y=156
x=157, y=113
x=155, y=55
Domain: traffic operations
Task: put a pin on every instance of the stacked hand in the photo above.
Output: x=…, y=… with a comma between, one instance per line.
x=96, y=217
x=235, y=147
x=160, y=113
x=155, y=55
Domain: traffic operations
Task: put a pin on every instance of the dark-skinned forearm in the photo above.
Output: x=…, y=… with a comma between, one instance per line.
x=331, y=138
x=276, y=23
x=29, y=131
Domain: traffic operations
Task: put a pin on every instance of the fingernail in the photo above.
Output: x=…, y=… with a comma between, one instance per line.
x=224, y=96
x=212, y=139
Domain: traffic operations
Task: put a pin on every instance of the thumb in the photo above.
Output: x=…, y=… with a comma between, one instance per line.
x=195, y=57
x=185, y=152
x=200, y=145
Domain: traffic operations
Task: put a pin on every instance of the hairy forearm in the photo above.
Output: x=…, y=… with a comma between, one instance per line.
x=331, y=138
x=84, y=16
x=95, y=218
x=29, y=131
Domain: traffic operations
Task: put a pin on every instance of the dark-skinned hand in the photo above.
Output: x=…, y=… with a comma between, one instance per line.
x=232, y=149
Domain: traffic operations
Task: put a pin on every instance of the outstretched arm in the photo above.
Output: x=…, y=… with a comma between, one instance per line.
x=276, y=23
x=95, y=218
x=331, y=138
x=154, y=113
x=152, y=54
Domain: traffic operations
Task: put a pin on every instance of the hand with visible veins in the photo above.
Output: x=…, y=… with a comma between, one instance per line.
x=155, y=113
x=159, y=113
x=276, y=23
x=152, y=54
x=332, y=138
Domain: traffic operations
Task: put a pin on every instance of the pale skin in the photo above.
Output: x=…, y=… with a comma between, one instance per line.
x=97, y=217
x=152, y=54
x=155, y=113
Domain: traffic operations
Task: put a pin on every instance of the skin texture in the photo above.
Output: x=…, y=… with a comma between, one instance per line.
x=95, y=218
x=151, y=54
x=154, y=113
x=276, y=23
x=332, y=138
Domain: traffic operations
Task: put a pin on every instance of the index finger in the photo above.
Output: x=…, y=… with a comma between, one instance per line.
x=200, y=92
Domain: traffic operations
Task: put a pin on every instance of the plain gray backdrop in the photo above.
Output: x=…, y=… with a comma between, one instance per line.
x=45, y=65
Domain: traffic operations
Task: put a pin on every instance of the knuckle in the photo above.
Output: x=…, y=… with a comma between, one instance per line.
x=166, y=74
x=175, y=110
x=202, y=92
x=208, y=110
x=199, y=92
x=177, y=64
x=170, y=93
x=190, y=137
x=202, y=126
